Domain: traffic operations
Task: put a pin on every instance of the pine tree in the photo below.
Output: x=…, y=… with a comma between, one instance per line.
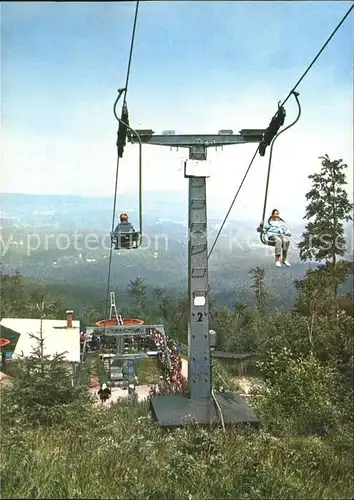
x=44, y=392
x=13, y=301
x=90, y=314
x=260, y=291
x=138, y=291
x=323, y=239
x=328, y=208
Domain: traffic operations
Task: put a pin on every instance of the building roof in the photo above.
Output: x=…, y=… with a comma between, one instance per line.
x=57, y=338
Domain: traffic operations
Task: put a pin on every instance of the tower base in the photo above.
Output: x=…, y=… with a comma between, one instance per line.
x=175, y=410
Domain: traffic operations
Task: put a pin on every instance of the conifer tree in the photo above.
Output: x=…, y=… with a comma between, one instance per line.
x=327, y=210
x=138, y=291
x=44, y=391
x=260, y=291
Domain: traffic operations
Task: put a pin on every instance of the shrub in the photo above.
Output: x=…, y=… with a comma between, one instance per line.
x=44, y=392
x=298, y=394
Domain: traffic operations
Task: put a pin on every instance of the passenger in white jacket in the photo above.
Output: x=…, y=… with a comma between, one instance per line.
x=277, y=231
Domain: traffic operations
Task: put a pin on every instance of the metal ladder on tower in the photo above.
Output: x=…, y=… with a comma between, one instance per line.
x=113, y=314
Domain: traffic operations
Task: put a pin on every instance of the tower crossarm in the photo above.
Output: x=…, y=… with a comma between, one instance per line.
x=190, y=140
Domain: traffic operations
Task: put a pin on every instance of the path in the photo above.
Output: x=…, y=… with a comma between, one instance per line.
x=184, y=368
x=141, y=390
x=118, y=393
x=4, y=379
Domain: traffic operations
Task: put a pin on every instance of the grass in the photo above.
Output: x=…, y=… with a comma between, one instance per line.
x=97, y=367
x=122, y=453
x=147, y=370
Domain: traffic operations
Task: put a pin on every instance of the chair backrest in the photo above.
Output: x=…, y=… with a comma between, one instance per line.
x=126, y=240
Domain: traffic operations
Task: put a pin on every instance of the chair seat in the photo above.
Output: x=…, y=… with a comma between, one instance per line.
x=269, y=242
x=128, y=240
x=266, y=241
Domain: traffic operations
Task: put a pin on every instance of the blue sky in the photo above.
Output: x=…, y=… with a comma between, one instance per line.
x=197, y=67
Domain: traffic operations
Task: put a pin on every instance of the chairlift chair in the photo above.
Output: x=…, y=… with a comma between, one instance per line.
x=127, y=241
x=264, y=238
x=260, y=229
x=130, y=239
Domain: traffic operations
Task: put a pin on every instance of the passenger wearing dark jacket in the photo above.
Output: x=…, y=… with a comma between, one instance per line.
x=124, y=226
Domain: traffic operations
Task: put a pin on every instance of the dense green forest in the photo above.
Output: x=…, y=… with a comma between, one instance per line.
x=57, y=443
x=228, y=272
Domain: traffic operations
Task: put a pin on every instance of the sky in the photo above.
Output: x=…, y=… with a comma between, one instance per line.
x=197, y=67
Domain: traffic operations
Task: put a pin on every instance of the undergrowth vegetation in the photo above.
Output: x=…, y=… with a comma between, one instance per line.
x=122, y=453
x=58, y=443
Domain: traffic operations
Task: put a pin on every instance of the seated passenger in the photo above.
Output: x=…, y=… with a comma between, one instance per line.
x=278, y=232
x=124, y=226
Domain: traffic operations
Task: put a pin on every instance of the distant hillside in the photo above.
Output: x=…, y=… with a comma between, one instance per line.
x=34, y=225
x=93, y=213
x=229, y=278
x=90, y=212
